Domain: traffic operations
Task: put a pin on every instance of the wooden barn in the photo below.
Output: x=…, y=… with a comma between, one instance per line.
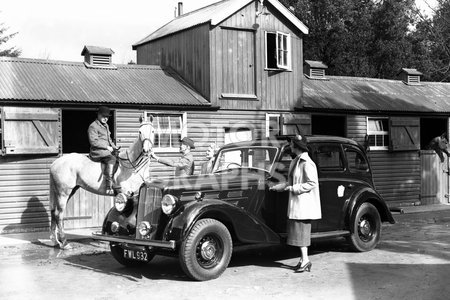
x=46, y=108
x=230, y=71
x=227, y=72
x=395, y=119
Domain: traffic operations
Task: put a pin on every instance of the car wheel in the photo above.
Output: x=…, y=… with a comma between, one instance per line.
x=365, y=228
x=206, y=251
x=118, y=253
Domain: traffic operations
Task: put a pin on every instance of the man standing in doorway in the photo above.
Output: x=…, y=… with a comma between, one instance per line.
x=102, y=146
x=185, y=164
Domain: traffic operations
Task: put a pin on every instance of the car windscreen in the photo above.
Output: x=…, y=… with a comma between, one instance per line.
x=246, y=157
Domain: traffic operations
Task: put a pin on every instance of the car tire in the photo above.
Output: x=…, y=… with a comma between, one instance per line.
x=365, y=228
x=117, y=253
x=206, y=251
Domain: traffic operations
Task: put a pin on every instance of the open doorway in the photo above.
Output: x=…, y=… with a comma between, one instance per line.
x=75, y=123
x=328, y=125
x=431, y=128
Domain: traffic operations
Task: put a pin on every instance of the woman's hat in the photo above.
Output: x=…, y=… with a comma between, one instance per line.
x=301, y=142
x=104, y=111
x=188, y=141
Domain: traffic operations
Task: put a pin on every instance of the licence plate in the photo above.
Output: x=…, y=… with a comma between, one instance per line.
x=135, y=255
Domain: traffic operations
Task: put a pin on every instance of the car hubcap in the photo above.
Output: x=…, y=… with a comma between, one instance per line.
x=365, y=229
x=209, y=251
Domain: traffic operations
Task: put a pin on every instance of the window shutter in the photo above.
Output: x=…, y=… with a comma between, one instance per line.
x=293, y=123
x=29, y=130
x=404, y=134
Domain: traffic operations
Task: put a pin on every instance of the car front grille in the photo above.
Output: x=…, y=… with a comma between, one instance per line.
x=149, y=210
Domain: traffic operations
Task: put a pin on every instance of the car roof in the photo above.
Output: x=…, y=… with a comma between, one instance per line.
x=283, y=140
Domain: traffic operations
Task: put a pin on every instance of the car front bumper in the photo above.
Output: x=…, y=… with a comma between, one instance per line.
x=150, y=243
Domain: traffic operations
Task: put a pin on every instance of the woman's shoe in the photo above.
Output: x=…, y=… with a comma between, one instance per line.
x=296, y=267
x=306, y=267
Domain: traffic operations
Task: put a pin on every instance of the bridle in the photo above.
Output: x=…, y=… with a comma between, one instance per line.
x=143, y=158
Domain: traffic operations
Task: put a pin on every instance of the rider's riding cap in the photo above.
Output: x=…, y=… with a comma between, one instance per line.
x=188, y=141
x=104, y=111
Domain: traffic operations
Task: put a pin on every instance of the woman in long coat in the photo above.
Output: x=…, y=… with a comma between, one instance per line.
x=304, y=200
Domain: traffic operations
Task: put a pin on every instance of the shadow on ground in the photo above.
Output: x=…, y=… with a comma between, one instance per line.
x=399, y=281
x=168, y=268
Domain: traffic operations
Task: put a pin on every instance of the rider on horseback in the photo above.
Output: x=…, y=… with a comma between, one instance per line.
x=102, y=146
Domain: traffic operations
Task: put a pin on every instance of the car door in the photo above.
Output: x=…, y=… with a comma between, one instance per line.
x=330, y=161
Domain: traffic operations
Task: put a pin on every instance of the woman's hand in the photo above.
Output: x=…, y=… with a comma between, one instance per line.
x=288, y=188
x=278, y=187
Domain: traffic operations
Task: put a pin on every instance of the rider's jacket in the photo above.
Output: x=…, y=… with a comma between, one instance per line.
x=99, y=138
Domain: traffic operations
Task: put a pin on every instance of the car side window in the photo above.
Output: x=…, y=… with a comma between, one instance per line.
x=356, y=161
x=329, y=158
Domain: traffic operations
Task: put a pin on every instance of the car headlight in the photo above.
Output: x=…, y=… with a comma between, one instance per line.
x=120, y=202
x=115, y=227
x=168, y=204
x=144, y=228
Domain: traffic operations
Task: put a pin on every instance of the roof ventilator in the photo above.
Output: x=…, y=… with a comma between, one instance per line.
x=315, y=69
x=98, y=57
x=410, y=76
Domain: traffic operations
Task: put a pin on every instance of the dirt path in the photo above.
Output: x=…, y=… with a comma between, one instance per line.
x=411, y=262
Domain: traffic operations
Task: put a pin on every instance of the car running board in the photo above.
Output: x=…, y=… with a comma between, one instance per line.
x=336, y=233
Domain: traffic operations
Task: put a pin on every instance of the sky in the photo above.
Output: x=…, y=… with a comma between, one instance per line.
x=59, y=29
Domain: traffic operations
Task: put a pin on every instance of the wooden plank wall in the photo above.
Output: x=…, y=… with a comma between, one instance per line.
x=24, y=200
x=396, y=174
x=197, y=55
x=203, y=127
x=187, y=52
x=275, y=90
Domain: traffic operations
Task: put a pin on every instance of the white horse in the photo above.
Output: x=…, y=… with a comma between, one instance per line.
x=72, y=171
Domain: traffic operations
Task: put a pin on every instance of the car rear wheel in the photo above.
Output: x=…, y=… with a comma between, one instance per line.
x=206, y=251
x=365, y=228
x=117, y=252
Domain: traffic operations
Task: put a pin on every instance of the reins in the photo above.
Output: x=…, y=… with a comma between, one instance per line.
x=140, y=161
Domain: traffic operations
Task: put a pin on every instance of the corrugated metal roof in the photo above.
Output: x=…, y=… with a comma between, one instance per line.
x=368, y=94
x=214, y=14
x=61, y=81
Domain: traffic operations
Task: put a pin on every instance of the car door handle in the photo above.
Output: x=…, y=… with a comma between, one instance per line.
x=350, y=186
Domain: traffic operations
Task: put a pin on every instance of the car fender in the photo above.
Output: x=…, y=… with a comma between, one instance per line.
x=368, y=194
x=242, y=226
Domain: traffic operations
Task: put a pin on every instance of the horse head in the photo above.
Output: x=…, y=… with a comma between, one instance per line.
x=439, y=144
x=146, y=136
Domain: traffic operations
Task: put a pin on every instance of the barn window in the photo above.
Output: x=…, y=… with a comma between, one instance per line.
x=75, y=123
x=272, y=125
x=378, y=133
x=278, y=50
x=169, y=130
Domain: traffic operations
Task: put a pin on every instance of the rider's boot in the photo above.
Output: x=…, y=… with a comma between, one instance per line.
x=108, y=173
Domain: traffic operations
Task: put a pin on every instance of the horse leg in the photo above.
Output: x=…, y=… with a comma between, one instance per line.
x=57, y=207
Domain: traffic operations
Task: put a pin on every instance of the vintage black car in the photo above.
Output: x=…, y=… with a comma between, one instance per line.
x=201, y=218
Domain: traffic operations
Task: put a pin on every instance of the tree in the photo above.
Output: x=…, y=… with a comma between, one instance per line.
x=339, y=33
x=368, y=38
x=4, y=38
x=391, y=47
x=433, y=35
